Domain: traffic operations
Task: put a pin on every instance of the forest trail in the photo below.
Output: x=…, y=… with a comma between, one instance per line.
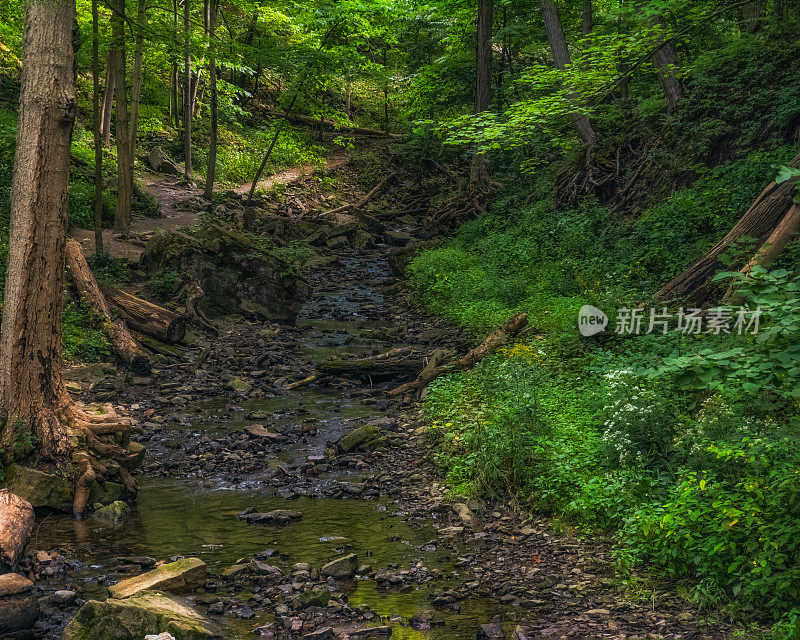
x=181, y=207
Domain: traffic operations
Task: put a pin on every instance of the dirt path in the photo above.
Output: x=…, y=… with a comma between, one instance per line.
x=181, y=208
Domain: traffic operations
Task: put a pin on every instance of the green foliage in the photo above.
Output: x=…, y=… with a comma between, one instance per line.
x=162, y=283
x=108, y=271
x=82, y=341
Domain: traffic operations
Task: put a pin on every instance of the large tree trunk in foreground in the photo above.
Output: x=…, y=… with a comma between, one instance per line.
x=30, y=341
x=98, y=142
x=212, y=80
x=479, y=172
x=758, y=222
x=16, y=524
x=558, y=47
x=667, y=64
x=122, y=215
x=146, y=317
x=490, y=344
x=121, y=340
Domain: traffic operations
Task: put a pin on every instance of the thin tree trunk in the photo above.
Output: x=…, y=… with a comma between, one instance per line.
x=758, y=222
x=479, y=172
x=30, y=338
x=667, y=64
x=122, y=216
x=558, y=47
x=108, y=104
x=175, y=81
x=212, y=79
x=98, y=142
x=138, y=60
x=187, y=93
x=586, y=17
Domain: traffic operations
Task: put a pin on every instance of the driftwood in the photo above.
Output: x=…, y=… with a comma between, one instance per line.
x=146, y=317
x=302, y=383
x=122, y=342
x=330, y=124
x=358, y=205
x=491, y=343
x=389, y=364
x=16, y=524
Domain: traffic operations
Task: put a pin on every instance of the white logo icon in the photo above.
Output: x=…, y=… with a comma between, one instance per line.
x=591, y=320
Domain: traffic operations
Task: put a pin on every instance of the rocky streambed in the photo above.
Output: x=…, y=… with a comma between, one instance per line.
x=317, y=512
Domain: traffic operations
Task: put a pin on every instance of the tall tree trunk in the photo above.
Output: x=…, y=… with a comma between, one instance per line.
x=30, y=338
x=586, y=17
x=98, y=142
x=558, y=47
x=138, y=60
x=212, y=79
x=753, y=14
x=479, y=172
x=175, y=75
x=759, y=222
x=122, y=216
x=667, y=64
x=187, y=93
x=108, y=104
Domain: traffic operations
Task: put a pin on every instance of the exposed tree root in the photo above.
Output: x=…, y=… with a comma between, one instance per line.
x=194, y=293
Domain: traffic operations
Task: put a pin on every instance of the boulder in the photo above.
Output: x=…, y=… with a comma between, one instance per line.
x=396, y=238
x=13, y=583
x=114, y=513
x=147, y=613
x=344, y=567
x=467, y=516
x=360, y=438
x=161, y=162
x=183, y=576
x=235, y=274
x=18, y=612
x=44, y=489
x=137, y=452
x=314, y=598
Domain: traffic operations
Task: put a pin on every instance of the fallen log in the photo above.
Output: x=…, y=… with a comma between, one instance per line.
x=16, y=524
x=491, y=343
x=402, y=360
x=374, y=192
x=331, y=124
x=122, y=342
x=146, y=317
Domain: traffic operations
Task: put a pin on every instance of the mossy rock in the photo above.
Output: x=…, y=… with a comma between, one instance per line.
x=55, y=491
x=233, y=272
x=360, y=438
x=115, y=513
x=182, y=576
x=148, y=613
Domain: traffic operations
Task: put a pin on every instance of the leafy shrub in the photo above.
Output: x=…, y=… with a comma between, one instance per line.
x=162, y=284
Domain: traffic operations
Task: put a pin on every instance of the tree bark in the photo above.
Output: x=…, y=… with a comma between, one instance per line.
x=586, y=17
x=30, y=339
x=122, y=215
x=667, y=64
x=187, y=93
x=138, y=61
x=212, y=79
x=16, y=523
x=561, y=57
x=108, y=104
x=121, y=340
x=98, y=142
x=758, y=222
x=479, y=172
x=146, y=317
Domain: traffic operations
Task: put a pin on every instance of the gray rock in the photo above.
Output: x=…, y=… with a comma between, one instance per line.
x=344, y=567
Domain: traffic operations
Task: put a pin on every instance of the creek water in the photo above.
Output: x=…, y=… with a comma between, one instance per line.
x=196, y=516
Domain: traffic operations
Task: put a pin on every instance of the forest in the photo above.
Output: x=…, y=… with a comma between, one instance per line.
x=335, y=319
